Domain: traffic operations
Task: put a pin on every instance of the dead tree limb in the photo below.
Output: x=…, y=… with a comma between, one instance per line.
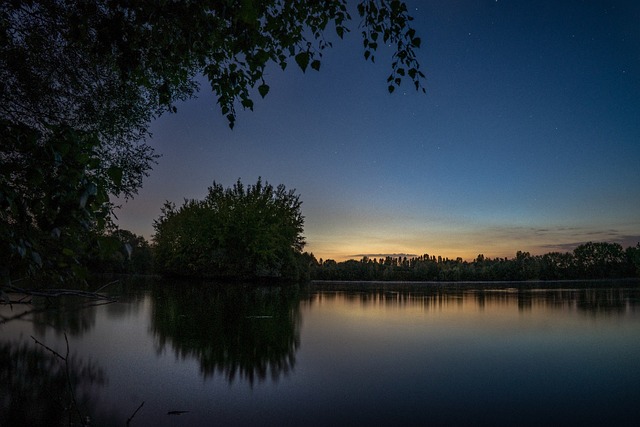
x=65, y=359
x=134, y=413
x=59, y=292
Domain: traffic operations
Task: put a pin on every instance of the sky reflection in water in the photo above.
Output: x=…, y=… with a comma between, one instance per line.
x=382, y=354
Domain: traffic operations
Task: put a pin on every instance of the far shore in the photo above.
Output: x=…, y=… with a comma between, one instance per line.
x=502, y=285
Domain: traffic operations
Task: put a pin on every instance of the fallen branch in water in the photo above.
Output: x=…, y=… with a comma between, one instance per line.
x=104, y=286
x=176, y=412
x=134, y=413
x=7, y=319
x=60, y=292
x=4, y=319
x=65, y=359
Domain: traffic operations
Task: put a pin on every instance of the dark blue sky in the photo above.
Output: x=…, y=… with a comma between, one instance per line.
x=528, y=137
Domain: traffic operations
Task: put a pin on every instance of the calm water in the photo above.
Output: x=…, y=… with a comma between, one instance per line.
x=369, y=354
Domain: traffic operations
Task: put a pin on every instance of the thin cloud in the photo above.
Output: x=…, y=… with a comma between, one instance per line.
x=623, y=240
x=400, y=255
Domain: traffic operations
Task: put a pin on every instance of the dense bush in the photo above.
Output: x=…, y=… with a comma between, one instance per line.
x=232, y=233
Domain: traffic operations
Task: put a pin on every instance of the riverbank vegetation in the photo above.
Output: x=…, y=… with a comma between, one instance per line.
x=587, y=261
x=593, y=260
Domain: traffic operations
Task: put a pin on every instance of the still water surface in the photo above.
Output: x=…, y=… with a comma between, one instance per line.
x=327, y=354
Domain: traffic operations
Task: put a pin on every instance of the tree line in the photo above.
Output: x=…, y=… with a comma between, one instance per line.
x=593, y=260
x=255, y=232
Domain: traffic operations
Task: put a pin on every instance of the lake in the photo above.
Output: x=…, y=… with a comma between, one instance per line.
x=325, y=354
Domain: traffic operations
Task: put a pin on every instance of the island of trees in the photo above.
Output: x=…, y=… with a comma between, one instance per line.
x=246, y=233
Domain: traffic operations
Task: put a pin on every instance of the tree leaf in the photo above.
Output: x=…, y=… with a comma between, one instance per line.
x=35, y=256
x=315, y=64
x=302, y=59
x=263, y=89
x=231, y=118
x=247, y=103
x=90, y=190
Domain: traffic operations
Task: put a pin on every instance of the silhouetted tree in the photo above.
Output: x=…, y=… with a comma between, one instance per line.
x=557, y=265
x=233, y=232
x=589, y=261
x=599, y=260
x=633, y=259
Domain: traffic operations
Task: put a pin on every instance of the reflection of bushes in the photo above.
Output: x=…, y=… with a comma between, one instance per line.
x=593, y=300
x=71, y=314
x=241, y=331
x=34, y=387
x=75, y=314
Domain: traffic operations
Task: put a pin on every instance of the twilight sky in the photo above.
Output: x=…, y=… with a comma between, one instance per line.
x=528, y=137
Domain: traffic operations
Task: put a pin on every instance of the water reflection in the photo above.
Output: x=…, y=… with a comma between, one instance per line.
x=75, y=315
x=242, y=332
x=72, y=315
x=34, y=387
x=382, y=354
x=595, y=301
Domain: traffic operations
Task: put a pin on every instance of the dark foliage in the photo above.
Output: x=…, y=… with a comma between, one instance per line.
x=232, y=233
x=34, y=386
x=587, y=261
x=53, y=190
x=119, y=252
x=235, y=331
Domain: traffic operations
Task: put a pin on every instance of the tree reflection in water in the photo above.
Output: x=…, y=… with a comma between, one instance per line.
x=239, y=331
x=590, y=298
x=34, y=387
x=71, y=315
